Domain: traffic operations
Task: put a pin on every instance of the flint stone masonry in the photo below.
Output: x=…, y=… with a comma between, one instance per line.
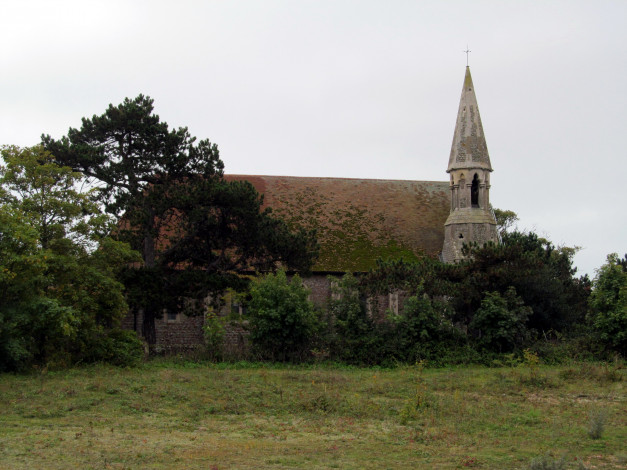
x=320, y=287
x=181, y=333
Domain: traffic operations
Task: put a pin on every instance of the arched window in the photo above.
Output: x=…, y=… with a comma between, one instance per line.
x=474, y=192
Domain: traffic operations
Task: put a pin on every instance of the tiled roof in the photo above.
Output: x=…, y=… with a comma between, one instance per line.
x=359, y=221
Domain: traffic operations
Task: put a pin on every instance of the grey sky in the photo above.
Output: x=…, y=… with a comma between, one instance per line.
x=358, y=89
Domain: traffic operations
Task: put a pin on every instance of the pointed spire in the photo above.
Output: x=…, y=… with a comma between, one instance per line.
x=469, y=149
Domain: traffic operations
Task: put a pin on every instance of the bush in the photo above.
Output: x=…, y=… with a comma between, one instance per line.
x=117, y=347
x=596, y=424
x=282, y=319
x=214, y=331
x=354, y=337
x=501, y=321
x=424, y=330
x=608, y=304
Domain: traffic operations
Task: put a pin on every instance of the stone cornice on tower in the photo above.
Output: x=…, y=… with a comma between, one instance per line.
x=469, y=148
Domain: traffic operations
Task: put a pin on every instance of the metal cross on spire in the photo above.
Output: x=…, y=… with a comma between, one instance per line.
x=467, y=51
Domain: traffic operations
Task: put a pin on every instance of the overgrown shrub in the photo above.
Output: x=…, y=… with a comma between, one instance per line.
x=117, y=347
x=596, y=423
x=282, y=319
x=500, y=321
x=214, y=331
x=354, y=336
x=424, y=330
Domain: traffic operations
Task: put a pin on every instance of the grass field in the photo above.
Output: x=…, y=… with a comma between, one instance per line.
x=186, y=415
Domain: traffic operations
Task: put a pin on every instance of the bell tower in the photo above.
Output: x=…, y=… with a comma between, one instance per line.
x=471, y=219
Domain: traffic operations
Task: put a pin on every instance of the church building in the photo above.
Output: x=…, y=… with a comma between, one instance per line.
x=359, y=221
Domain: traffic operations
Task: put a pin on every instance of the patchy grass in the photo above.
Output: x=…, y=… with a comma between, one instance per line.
x=218, y=416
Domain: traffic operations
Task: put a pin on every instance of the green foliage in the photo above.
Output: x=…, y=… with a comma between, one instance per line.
x=214, y=331
x=424, y=331
x=608, y=304
x=541, y=274
x=505, y=220
x=116, y=346
x=139, y=166
x=501, y=321
x=354, y=336
x=57, y=290
x=426, y=275
x=421, y=331
x=46, y=193
x=22, y=269
x=426, y=319
x=222, y=228
x=508, y=295
x=282, y=319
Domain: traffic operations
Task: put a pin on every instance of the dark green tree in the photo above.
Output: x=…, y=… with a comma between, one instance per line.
x=135, y=160
x=197, y=233
x=424, y=276
x=548, y=294
x=542, y=275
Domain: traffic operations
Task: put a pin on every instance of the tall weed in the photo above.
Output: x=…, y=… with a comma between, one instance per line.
x=596, y=424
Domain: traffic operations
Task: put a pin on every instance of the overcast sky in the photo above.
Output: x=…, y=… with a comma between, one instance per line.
x=361, y=89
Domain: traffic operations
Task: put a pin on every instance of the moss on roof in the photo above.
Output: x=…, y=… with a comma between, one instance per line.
x=359, y=221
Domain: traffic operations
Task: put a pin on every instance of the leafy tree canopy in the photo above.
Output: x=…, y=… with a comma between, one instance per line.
x=47, y=193
x=505, y=220
x=542, y=275
x=197, y=232
x=60, y=296
x=502, y=293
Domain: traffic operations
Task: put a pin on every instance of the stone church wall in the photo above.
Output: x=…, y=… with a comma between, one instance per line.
x=178, y=332
x=174, y=332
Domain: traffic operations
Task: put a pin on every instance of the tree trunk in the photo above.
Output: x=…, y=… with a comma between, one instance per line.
x=148, y=326
x=149, y=331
